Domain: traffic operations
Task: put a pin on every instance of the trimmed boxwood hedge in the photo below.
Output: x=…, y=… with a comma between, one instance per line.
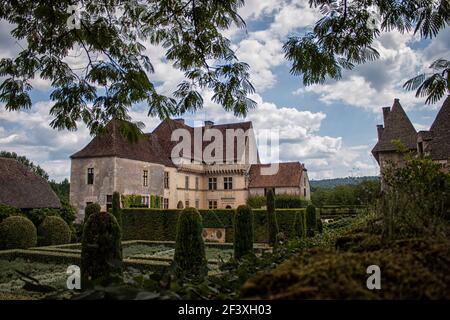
x=160, y=224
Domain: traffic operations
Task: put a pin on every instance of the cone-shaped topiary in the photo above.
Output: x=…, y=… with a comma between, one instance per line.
x=243, y=231
x=190, y=259
x=101, y=251
x=300, y=224
x=52, y=231
x=272, y=224
x=17, y=232
x=311, y=220
x=91, y=209
x=319, y=223
x=116, y=211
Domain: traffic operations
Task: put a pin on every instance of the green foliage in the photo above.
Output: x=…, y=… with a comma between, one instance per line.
x=7, y=211
x=67, y=212
x=160, y=224
x=436, y=86
x=190, y=258
x=243, y=232
x=191, y=34
x=343, y=38
x=38, y=215
x=62, y=189
x=283, y=201
x=22, y=159
x=417, y=199
x=272, y=224
x=319, y=224
x=311, y=220
x=362, y=193
x=101, y=250
x=300, y=224
x=53, y=231
x=331, y=183
x=91, y=209
x=17, y=232
x=132, y=201
x=116, y=211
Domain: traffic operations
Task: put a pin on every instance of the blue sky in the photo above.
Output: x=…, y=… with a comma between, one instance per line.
x=331, y=127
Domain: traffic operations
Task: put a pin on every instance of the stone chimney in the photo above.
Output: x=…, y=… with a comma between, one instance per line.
x=209, y=123
x=386, y=111
x=380, y=131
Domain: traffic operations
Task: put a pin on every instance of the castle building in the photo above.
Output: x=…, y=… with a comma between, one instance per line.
x=434, y=143
x=212, y=173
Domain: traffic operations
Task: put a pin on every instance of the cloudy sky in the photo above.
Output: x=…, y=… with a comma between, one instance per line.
x=331, y=127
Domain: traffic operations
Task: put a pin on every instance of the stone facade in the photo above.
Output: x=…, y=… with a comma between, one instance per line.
x=434, y=143
x=108, y=164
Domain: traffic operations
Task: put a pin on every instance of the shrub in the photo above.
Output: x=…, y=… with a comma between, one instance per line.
x=271, y=218
x=116, y=211
x=7, y=211
x=101, y=250
x=190, y=259
x=311, y=220
x=283, y=201
x=91, y=209
x=67, y=212
x=319, y=224
x=53, y=231
x=38, y=215
x=17, y=232
x=300, y=224
x=243, y=231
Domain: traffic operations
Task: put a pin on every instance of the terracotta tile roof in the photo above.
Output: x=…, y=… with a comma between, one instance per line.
x=156, y=147
x=289, y=175
x=439, y=135
x=22, y=188
x=397, y=126
x=113, y=144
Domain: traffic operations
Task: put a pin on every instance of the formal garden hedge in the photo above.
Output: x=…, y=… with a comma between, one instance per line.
x=157, y=224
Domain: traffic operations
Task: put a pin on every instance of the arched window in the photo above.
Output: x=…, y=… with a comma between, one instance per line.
x=180, y=205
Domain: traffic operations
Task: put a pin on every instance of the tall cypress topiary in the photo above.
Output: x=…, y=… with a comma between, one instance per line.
x=300, y=224
x=101, y=251
x=190, y=258
x=116, y=211
x=319, y=223
x=311, y=220
x=91, y=209
x=243, y=231
x=272, y=224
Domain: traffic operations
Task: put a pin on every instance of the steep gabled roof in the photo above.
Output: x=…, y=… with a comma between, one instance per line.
x=397, y=126
x=439, y=145
x=113, y=144
x=289, y=175
x=22, y=188
x=154, y=147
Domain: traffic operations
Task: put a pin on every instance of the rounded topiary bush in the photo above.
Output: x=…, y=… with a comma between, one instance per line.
x=17, y=232
x=91, y=209
x=53, y=231
x=190, y=258
x=101, y=251
x=243, y=231
x=311, y=220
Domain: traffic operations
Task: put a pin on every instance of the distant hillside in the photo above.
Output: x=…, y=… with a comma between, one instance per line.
x=330, y=183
